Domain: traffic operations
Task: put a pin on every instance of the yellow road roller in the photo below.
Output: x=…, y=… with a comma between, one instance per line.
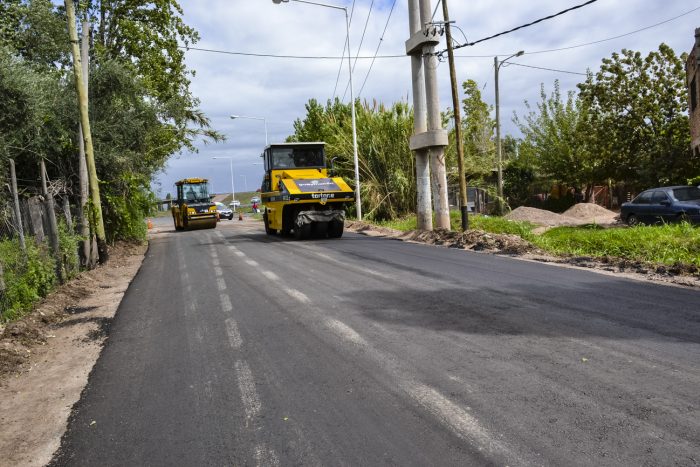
x=299, y=194
x=193, y=208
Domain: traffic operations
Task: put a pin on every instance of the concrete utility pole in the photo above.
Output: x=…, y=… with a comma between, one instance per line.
x=421, y=45
x=438, y=174
x=87, y=135
x=424, y=211
x=464, y=209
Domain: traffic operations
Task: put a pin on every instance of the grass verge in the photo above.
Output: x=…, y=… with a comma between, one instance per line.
x=668, y=244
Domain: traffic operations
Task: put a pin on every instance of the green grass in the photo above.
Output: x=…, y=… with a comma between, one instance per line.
x=242, y=196
x=490, y=224
x=664, y=244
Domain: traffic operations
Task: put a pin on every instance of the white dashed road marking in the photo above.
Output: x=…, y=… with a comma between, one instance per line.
x=234, y=337
x=250, y=262
x=246, y=384
x=270, y=275
x=297, y=295
x=225, y=303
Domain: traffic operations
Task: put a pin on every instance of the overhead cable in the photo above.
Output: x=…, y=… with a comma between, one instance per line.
x=362, y=40
x=521, y=26
x=345, y=46
x=614, y=37
x=371, y=57
x=377, y=51
x=547, y=69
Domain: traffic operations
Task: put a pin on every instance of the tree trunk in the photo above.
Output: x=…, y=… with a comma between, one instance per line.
x=87, y=136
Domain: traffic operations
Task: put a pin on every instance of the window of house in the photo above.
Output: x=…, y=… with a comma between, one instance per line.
x=693, y=95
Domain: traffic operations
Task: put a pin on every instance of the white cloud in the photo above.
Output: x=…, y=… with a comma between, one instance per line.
x=277, y=89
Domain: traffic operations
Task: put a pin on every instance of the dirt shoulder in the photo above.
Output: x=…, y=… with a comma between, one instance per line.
x=46, y=357
x=516, y=247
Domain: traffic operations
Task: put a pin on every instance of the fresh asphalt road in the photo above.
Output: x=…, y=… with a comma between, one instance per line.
x=236, y=348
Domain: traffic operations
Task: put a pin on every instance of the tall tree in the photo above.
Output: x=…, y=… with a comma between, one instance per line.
x=556, y=141
x=478, y=129
x=638, y=109
x=386, y=163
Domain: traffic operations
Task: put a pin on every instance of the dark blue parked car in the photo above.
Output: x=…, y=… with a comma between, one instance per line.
x=666, y=204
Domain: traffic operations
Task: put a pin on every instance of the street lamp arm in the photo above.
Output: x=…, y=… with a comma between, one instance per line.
x=517, y=54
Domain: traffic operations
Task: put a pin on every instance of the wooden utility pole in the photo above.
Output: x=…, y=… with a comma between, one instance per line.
x=96, y=208
x=53, y=225
x=18, y=212
x=458, y=121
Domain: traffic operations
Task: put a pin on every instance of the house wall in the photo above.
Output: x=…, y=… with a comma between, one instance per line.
x=693, y=83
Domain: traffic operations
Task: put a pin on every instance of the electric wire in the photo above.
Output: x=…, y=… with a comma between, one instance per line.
x=345, y=46
x=544, y=68
x=378, y=46
x=437, y=5
x=615, y=37
x=370, y=57
x=359, y=47
x=522, y=26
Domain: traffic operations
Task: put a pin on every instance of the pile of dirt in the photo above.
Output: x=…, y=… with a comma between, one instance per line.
x=475, y=240
x=372, y=230
x=590, y=213
x=539, y=217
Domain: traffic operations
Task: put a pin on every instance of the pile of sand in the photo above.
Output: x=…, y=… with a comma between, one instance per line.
x=540, y=217
x=578, y=214
x=589, y=212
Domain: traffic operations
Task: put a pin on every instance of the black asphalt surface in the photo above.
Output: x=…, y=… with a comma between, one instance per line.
x=236, y=348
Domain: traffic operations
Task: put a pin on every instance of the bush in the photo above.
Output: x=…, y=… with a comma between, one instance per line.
x=26, y=279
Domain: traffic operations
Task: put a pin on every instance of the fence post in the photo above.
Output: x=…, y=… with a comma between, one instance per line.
x=2, y=290
x=53, y=226
x=18, y=213
x=67, y=214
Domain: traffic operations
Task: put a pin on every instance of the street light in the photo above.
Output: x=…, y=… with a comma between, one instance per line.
x=233, y=190
x=358, y=203
x=497, y=65
x=233, y=117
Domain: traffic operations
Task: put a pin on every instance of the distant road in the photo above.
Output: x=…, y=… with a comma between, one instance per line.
x=236, y=348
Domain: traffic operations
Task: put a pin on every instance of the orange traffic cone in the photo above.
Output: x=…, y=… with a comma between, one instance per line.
x=149, y=224
x=240, y=215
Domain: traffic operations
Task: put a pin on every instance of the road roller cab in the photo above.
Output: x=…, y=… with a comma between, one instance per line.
x=299, y=195
x=193, y=208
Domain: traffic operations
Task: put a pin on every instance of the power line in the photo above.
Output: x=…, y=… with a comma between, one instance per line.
x=345, y=46
x=371, y=57
x=377, y=51
x=437, y=5
x=522, y=26
x=615, y=37
x=548, y=69
x=362, y=40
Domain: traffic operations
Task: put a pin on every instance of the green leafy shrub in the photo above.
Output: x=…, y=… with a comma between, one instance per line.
x=128, y=202
x=68, y=244
x=26, y=279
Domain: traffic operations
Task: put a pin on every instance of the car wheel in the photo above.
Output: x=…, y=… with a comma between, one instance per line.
x=632, y=220
x=268, y=230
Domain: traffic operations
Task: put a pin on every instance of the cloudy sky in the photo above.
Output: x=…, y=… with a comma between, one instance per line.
x=277, y=88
